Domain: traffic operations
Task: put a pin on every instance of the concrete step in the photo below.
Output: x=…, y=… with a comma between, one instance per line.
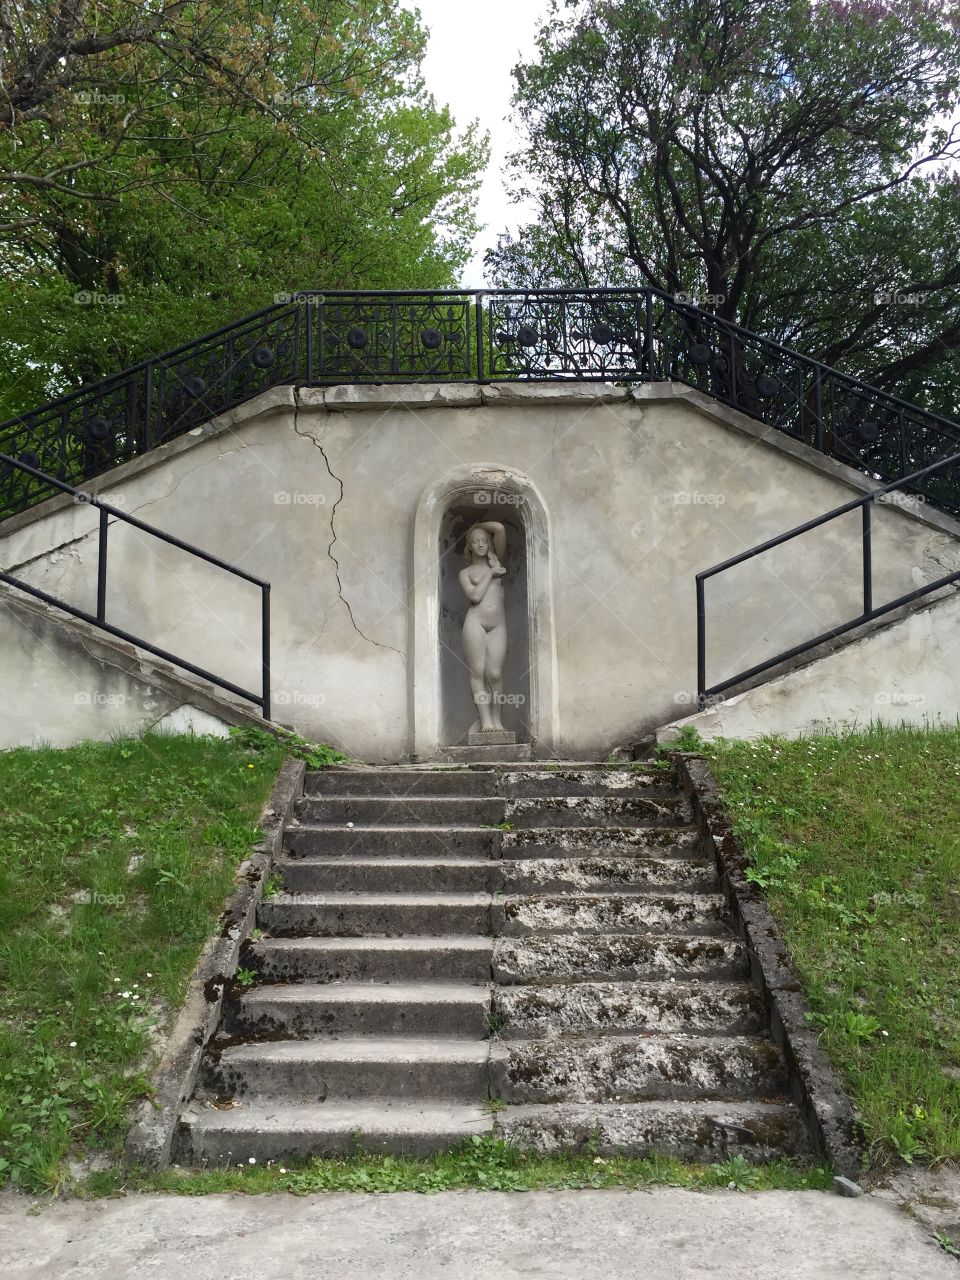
x=565, y=842
x=562, y=957
x=403, y=811
x=365, y=841
x=610, y=913
x=587, y=873
x=390, y=875
x=355, y=1067
x=630, y=1068
x=363, y=1008
x=574, y=781
x=210, y=1136
x=478, y=780
x=466, y=875
x=450, y=780
x=598, y=1008
x=639, y=808
x=653, y=807
x=380, y=914
x=705, y=1131
x=440, y=959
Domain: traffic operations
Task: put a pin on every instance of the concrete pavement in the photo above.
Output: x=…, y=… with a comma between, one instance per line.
x=663, y=1234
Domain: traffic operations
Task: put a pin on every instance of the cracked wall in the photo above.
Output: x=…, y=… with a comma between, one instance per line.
x=317, y=492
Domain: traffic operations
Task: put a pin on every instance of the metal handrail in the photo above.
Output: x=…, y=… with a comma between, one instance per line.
x=869, y=612
x=99, y=619
x=324, y=337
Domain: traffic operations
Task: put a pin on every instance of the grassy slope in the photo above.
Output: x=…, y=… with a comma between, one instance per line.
x=114, y=863
x=856, y=841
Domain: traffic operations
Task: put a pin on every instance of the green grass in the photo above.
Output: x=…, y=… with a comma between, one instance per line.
x=483, y=1163
x=114, y=863
x=856, y=842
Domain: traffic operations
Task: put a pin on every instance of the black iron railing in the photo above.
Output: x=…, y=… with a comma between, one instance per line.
x=913, y=484
x=99, y=619
x=620, y=335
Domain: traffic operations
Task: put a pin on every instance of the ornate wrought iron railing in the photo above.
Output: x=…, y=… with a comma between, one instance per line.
x=99, y=619
x=621, y=335
x=913, y=484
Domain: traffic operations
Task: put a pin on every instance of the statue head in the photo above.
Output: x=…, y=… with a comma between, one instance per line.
x=486, y=540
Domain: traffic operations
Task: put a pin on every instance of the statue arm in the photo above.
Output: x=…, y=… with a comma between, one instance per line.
x=475, y=591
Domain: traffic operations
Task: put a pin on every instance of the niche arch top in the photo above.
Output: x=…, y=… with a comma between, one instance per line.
x=504, y=490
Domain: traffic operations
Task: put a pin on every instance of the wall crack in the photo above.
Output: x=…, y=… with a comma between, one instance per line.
x=305, y=435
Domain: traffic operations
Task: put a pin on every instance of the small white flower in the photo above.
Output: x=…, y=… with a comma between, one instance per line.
x=73, y=1044
x=149, y=975
x=884, y=1033
x=252, y=1160
x=283, y=1171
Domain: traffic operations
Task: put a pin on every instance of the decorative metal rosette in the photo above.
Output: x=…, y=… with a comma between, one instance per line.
x=364, y=339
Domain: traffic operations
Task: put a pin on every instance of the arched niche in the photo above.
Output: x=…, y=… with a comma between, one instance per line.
x=442, y=518
x=457, y=710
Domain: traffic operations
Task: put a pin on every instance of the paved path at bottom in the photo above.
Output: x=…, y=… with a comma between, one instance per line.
x=664, y=1234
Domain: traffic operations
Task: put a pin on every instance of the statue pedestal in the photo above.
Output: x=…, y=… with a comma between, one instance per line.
x=491, y=738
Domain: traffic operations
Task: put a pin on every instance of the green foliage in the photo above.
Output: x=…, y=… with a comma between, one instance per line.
x=853, y=840
x=738, y=1173
x=182, y=178
x=784, y=162
x=484, y=1163
x=316, y=755
x=687, y=739
x=115, y=860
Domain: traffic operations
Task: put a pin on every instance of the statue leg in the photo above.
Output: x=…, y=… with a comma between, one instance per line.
x=496, y=653
x=475, y=652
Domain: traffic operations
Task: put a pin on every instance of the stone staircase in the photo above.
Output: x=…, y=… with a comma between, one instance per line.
x=535, y=952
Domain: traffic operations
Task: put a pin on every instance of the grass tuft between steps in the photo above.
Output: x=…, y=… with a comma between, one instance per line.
x=483, y=1163
x=115, y=859
x=855, y=841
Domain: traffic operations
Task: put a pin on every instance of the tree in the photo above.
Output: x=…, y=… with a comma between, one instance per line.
x=782, y=160
x=166, y=167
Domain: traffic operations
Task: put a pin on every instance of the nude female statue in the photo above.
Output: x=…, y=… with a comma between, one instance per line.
x=485, y=626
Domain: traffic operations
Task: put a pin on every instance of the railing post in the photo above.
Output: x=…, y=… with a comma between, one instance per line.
x=701, y=646
x=265, y=646
x=308, y=318
x=102, y=568
x=867, y=559
x=478, y=333
x=819, y=439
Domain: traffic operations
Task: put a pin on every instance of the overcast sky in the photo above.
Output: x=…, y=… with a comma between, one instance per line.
x=471, y=52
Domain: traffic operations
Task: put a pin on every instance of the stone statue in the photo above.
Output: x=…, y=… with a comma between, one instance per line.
x=485, y=626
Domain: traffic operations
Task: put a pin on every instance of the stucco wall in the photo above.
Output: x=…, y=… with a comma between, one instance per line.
x=62, y=684
x=320, y=491
x=906, y=673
